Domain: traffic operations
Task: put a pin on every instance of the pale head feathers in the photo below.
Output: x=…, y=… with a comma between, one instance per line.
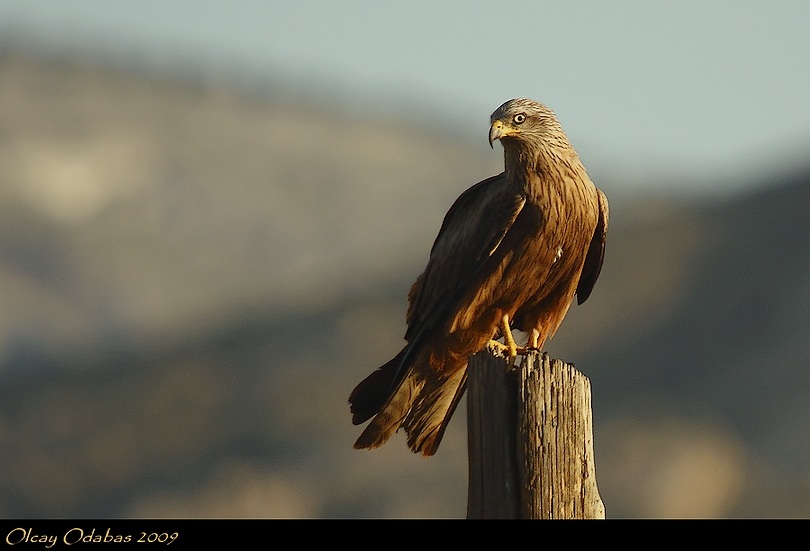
x=526, y=121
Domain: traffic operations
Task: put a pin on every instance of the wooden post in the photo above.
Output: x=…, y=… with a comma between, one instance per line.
x=530, y=440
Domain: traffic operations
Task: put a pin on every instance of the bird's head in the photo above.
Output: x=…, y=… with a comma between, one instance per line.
x=524, y=121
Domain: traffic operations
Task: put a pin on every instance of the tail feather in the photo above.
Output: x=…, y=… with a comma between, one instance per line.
x=388, y=420
x=414, y=395
x=431, y=412
x=371, y=394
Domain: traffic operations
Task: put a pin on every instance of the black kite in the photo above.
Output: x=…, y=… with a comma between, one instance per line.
x=512, y=252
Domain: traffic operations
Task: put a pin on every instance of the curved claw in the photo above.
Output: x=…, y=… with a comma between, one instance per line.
x=509, y=347
x=499, y=348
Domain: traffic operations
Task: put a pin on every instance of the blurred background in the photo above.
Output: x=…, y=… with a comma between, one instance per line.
x=210, y=215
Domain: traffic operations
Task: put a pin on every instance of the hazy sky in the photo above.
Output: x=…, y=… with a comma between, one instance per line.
x=696, y=91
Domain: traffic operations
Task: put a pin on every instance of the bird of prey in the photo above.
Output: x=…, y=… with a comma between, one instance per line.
x=512, y=252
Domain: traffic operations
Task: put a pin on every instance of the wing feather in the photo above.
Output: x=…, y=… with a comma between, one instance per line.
x=471, y=232
x=596, y=253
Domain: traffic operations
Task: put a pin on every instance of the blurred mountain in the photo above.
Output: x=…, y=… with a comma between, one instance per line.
x=194, y=275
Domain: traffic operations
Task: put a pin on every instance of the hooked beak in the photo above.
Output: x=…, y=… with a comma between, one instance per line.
x=498, y=130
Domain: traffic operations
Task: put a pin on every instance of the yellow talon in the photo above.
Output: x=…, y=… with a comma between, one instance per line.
x=509, y=348
x=497, y=347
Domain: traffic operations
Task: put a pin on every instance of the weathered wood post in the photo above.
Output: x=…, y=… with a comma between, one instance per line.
x=530, y=440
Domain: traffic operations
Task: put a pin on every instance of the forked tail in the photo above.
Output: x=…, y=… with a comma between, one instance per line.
x=417, y=397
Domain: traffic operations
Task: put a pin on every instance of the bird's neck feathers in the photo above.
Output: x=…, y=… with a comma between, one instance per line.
x=525, y=160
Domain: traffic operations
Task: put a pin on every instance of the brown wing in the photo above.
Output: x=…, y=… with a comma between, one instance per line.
x=406, y=391
x=596, y=253
x=471, y=231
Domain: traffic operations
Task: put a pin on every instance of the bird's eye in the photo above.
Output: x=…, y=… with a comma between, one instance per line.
x=519, y=118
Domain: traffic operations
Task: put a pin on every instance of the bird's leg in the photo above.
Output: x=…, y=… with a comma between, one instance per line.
x=534, y=339
x=509, y=340
x=509, y=347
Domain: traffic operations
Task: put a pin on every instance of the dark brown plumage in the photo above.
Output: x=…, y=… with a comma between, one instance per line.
x=513, y=250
